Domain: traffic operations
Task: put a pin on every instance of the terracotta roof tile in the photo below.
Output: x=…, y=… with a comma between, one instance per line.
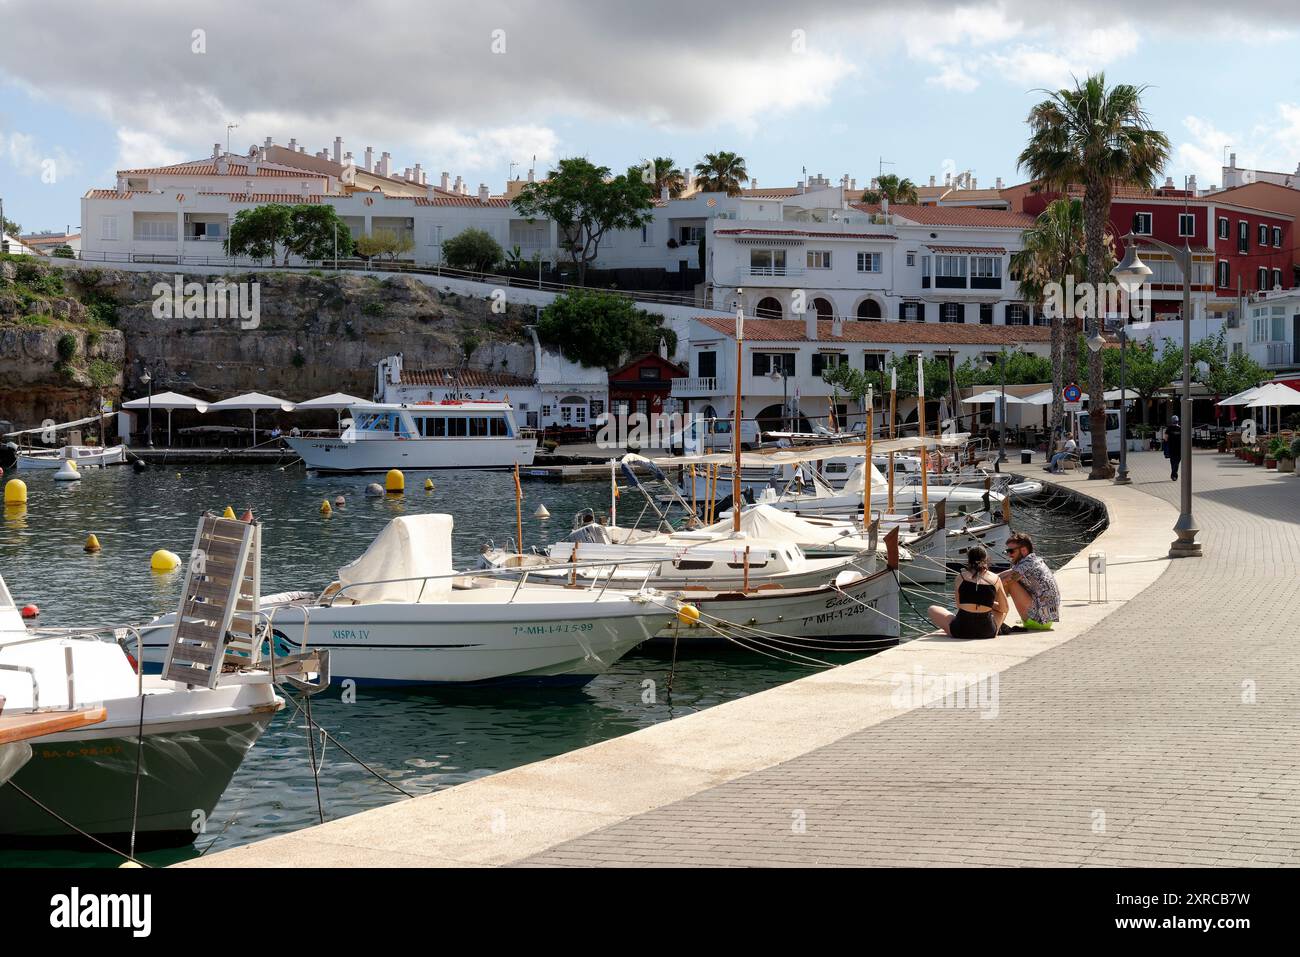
x=469, y=379
x=965, y=250
x=900, y=333
x=758, y=231
x=209, y=168
x=954, y=215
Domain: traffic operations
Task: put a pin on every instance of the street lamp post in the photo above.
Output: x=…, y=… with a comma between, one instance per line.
x=1122, y=477
x=1130, y=274
x=147, y=380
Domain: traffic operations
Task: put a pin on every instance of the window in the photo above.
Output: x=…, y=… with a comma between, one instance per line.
x=439, y=428
x=648, y=374
x=499, y=426
x=1263, y=234
x=767, y=262
x=868, y=262
x=435, y=235
x=1277, y=279
x=706, y=365
x=952, y=312
x=1223, y=272
x=950, y=272
x=1016, y=315
x=911, y=259
x=764, y=362
x=108, y=228
x=819, y=259
x=458, y=427
x=1186, y=224
x=1261, y=278
x=478, y=427
x=826, y=360
x=546, y=410
x=1277, y=236
x=873, y=362
x=912, y=312
x=925, y=272
x=1225, y=230
x=986, y=313
x=689, y=235
x=1142, y=224
x=1243, y=236
x=156, y=230
x=1236, y=349
x=645, y=235
x=986, y=272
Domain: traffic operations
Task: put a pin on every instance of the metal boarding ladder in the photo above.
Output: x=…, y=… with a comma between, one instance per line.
x=218, y=618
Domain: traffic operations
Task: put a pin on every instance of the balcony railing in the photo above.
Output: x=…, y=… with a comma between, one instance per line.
x=1271, y=355
x=776, y=270
x=697, y=386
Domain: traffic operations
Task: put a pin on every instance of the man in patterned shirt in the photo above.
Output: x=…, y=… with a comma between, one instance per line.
x=1031, y=585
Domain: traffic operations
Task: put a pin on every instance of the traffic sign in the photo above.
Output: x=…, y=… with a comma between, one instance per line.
x=1072, y=393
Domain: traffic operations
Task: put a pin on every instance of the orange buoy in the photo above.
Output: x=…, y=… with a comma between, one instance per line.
x=30, y=611
x=247, y=516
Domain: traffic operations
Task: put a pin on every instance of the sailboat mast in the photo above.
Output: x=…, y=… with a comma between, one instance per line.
x=735, y=427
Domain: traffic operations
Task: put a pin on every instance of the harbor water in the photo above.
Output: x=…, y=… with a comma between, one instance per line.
x=422, y=741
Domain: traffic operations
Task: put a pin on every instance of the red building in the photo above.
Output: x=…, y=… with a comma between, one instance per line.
x=642, y=385
x=1236, y=249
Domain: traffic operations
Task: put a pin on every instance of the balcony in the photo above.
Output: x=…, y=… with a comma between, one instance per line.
x=697, y=387
x=1273, y=355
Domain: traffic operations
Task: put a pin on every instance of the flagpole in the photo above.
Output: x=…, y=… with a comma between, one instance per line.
x=925, y=487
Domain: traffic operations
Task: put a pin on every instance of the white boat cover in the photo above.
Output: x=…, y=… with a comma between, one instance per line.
x=853, y=483
x=408, y=548
x=778, y=525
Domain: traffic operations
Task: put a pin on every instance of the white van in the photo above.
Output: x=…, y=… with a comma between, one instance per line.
x=712, y=435
x=1084, y=430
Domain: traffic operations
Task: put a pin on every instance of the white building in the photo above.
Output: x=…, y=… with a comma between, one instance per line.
x=787, y=358
x=560, y=394
x=908, y=263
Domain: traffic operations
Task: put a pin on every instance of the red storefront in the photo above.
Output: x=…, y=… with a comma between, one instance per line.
x=643, y=385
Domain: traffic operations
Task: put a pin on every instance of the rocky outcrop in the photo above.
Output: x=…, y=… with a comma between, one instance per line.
x=308, y=335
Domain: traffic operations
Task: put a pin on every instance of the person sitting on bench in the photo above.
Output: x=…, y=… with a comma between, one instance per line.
x=1070, y=449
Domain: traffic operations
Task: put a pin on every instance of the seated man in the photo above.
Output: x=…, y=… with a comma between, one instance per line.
x=1030, y=584
x=1068, y=450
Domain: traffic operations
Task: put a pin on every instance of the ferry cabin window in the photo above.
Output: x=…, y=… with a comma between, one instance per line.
x=499, y=426
x=478, y=427
x=457, y=427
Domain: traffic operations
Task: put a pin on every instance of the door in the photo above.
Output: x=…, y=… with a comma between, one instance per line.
x=1295, y=339
x=707, y=367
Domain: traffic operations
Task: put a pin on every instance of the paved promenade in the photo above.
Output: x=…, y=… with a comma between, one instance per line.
x=1157, y=728
x=1165, y=735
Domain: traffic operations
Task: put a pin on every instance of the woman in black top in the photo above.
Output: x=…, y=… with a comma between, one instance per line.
x=980, y=598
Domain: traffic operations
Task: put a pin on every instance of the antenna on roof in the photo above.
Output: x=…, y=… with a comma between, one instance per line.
x=229, y=127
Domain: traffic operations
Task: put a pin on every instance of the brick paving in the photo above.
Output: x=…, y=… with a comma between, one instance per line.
x=1165, y=735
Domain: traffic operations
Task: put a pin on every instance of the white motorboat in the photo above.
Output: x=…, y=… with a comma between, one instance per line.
x=91, y=770
x=399, y=615
x=84, y=456
x=454, y=434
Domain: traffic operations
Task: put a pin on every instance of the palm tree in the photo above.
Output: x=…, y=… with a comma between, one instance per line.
x=721, y=173
x=1052, y=250
x=667, y=174
x=897, y=191
x=1096, y=138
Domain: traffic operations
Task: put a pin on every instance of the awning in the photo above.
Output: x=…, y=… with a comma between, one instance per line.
x=167, y=400
x=252, y=401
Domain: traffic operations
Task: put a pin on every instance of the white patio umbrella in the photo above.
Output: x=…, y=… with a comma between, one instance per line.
x=992, y=396
x=168, y=401
x=1112, y=395
x=1241, y=398
x=252, y=401
x=1273, y=395
x=338, y=401
x=1044, y=397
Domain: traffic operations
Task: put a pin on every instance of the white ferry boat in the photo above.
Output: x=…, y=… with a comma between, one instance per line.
x=455, y=434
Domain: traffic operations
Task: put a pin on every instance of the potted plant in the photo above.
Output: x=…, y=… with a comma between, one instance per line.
x=1271, y=454
x=1293, y=453
x=1285, y=460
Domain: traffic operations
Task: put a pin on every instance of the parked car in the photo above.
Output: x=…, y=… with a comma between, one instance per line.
x=1085, y=435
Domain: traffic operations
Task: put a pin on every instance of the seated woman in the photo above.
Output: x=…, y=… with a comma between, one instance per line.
x=981, y=601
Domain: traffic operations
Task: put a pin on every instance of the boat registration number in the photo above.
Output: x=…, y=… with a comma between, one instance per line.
x=839, y=614
x=562, y=628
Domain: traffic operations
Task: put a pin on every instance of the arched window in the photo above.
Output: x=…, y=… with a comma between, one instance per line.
x=824, y=308
x=768, y=308
x=869, y=309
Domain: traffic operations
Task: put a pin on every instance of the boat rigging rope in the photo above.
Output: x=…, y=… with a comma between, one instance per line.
x=342, y=747
x=139, y=757
x=72, y=827
x=311, y=745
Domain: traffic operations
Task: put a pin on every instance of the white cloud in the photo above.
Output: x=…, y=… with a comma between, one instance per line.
x=138, y=148
x=1273, y=144
x=23, y=153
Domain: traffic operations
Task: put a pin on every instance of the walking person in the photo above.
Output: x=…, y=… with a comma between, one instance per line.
x=1174, y=446
x=1031, y=585
x=980, y=599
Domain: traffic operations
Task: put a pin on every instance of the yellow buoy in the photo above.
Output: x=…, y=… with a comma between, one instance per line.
x=394, y=482
x=92, y=543
x=15, y=492
x=164, y=561
x=228, y=513
x=325, y=507
x=688, y=614
x=428, y=485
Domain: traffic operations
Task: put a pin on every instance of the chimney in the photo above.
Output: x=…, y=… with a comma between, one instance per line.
x=252, y=165
x=267, y=144
x=385, y=163
x=974, y=183
x=530, y=174
x=853, y=183
x=1232, y=160
x=884, y=207
x=347, y=159
x=419, y=174
x=947, y=179
x=1169, y=182
x=406, y=174
x=302, y=149
x=293, y=144
x=837, y=327
x=216, y=150
x=338, y=150
x=663, y=193
x=428, y=191
x=998, y=183
x=1191, y=184
x=810, y=324
x=121, y=185
x=800, y=185
x=931, y=180
x=223, y=166
x=457, y=187
x=753, y=183
x=370, y=159
x=446, y=178
x=482, y=192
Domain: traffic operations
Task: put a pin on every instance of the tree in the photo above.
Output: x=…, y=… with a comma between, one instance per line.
x=313, y=230
x=1224, y=374
x=585, y=201
x=897, y=191
x=721, y=172
x=472, y=249
x=1146, y=373
x=658, y=173
x=10, y=228
x=1053, y=249
x=1097, y=138
x=256, y=232
x=599, y=329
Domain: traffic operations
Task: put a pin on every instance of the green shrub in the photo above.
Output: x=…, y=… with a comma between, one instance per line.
x=102, y=372
x=474, y=250
x=373, y=309
x=298, y=360
x=64, y=251
x=67, y=347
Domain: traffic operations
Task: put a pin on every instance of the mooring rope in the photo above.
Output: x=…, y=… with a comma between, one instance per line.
x=68, y=824
x=342, y=747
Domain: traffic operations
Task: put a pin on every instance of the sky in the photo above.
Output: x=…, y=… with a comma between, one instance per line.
x=912, y=87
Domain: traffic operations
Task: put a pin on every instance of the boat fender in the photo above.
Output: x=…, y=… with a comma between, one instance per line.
x=428, y=485
x=374, y=488
x=688, y=614
x=247, y=516
x=541, y=512
x=138, y=465
x=339, y=501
